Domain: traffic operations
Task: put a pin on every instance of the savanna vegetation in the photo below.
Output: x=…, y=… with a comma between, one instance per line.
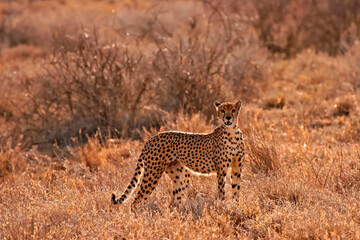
x=76, y=73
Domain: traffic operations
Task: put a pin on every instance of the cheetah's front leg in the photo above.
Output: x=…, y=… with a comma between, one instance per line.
x=221, y=183
x=236, y=167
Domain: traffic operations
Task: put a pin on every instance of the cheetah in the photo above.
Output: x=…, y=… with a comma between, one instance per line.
x=179, y=153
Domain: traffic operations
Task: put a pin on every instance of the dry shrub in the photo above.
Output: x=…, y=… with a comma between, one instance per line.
x=124, y=85
x=344, y=106
x=351, y=130
x=263, y=155
x=98, y=152
x=211, y=55
x=92, y=154
x=190, y=72
x=21, y=25
x=11, y=162
x=14, y=162
x=288, y=27
x=345, y=175
x=5, y=110
x=334, y=168
x=210, y=59
x=96, y=85
x=352, y=59
x=279, y=191
x=28, y=22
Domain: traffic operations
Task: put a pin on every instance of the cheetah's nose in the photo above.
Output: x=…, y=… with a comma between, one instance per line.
x=228, y=118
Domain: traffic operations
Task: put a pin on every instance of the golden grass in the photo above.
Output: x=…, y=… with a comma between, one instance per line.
x=300, y=118
x=312, y=193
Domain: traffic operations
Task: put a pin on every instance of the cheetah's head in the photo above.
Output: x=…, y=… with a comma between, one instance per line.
x=228, y=112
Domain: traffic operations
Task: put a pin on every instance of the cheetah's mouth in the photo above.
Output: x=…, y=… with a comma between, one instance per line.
x=227, y=123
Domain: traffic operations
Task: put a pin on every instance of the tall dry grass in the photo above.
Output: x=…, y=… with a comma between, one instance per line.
x=130, y=69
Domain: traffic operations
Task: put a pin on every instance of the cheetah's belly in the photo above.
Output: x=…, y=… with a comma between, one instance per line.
x=199, y=165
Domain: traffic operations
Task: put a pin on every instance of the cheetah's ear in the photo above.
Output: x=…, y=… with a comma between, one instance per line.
x=217, y=105
x=238, y=104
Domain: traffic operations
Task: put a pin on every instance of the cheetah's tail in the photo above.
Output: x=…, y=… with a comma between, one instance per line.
x=133, y=183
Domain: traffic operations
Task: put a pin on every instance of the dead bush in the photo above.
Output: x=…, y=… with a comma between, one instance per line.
x=5, y=111
x=12, y=161
x=328, y=26
x=190, y=73
x=123, y=85
x=21, y=26
x=344, y=106
x=213, y=58
x=91, y=154
x=96, y=85
x=190, y=68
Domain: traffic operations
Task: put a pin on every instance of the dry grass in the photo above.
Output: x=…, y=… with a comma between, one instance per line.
x=132, y=68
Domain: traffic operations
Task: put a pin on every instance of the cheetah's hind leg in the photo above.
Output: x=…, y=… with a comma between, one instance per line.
x=151, y=177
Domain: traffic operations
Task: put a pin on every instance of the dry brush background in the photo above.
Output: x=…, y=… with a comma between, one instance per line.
x=76, y=73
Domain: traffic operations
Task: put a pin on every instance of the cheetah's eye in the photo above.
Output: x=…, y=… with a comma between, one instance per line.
x=222, y=111
x=233, y=111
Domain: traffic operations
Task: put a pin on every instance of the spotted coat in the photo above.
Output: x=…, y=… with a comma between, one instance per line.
x=178, y=153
